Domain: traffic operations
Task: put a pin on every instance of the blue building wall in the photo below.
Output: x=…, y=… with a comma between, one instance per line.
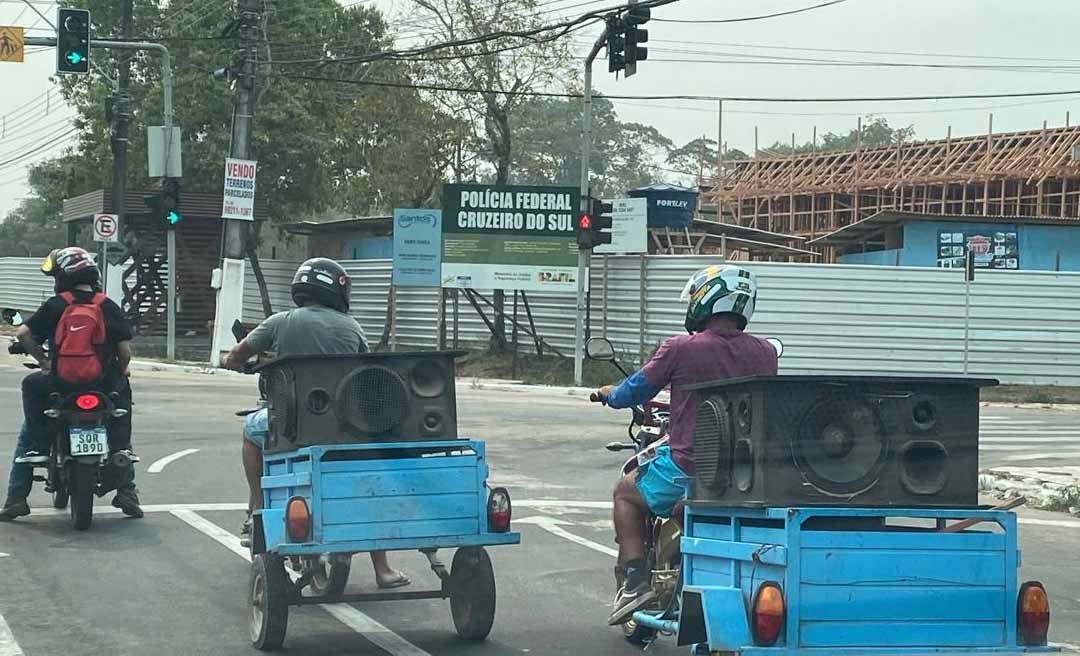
x=368, y=248
x=1041, y=247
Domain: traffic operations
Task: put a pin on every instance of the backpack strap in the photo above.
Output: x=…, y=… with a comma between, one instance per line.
x=98, y=299
x=68, y=297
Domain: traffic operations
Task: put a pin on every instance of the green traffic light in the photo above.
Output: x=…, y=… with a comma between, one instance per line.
x=173, y=218
x=74, y=57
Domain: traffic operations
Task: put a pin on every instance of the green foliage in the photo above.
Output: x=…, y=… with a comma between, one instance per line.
x=876, y=132
x=32, y=229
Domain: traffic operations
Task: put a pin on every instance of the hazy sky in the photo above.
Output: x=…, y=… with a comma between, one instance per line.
x=1032, y=40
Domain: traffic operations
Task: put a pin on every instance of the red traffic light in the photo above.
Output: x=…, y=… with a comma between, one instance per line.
x=584, y=222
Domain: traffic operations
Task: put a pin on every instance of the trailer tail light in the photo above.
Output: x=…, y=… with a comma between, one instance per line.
x=297, y=520
x=1033, y=614
x=499, y=510
x=767, y=615
x=87, y=401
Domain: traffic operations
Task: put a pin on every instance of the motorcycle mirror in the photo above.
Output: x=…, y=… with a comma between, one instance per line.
x=776, y=344
x=599, y=348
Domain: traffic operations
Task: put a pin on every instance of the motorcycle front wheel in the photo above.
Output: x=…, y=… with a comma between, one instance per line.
x=82, y=483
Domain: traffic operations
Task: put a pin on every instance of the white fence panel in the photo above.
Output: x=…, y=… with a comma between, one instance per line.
x=22, y=287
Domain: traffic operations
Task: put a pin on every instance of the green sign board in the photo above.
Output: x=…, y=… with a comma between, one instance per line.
x=510, y=237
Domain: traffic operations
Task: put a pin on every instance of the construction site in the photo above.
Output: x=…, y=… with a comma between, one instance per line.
x=1033, y=174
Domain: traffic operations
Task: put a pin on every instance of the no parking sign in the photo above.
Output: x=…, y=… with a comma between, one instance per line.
x=106, y=228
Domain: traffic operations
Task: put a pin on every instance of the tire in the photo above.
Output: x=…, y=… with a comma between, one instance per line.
x=638, y=635
x=268, y=599
x=60, y=490
x=472, y=593
x=331, y=574
x=83, y=481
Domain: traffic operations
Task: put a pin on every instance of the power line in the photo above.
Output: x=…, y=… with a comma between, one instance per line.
x=752, y=18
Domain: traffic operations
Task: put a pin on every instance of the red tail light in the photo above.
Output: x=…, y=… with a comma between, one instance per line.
x=87, y=401
x=1033, y=614
x=767, y=616
x=499, y=510
x=297, y=520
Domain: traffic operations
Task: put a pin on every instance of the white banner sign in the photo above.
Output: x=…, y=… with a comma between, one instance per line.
x=629, y=227
x=106, y=228
x=239, y=202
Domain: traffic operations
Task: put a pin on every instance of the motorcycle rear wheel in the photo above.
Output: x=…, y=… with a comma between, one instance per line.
x=83, y=481
x=59, y=487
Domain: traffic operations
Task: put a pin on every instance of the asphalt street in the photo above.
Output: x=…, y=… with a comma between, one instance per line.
x=176, y=581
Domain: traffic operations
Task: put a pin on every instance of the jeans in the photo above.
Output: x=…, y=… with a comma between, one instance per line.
x=22, y=475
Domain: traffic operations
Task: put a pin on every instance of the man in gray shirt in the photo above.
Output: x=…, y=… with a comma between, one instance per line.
x=319, y=325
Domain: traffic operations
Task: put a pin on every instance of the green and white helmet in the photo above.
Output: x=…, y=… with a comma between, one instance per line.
x=719, y=290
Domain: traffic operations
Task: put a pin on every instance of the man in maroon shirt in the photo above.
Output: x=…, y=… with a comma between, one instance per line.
x=721, y=301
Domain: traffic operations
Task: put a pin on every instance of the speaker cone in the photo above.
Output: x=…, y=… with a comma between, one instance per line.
x=712, y=445
x=428, y=379
x=840, y=445
x=924, y=467
x=372, y=400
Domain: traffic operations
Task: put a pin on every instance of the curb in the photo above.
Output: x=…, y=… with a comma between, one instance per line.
x=1041, y=488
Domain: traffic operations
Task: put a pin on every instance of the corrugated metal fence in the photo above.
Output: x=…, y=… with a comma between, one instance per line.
x=1020, y=327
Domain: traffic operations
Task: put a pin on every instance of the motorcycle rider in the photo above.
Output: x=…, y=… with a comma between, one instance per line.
x=319, y=325
x=75, y=273
x=720, y=301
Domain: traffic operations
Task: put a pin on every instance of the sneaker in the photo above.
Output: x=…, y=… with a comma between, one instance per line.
x=245, y=532
x=14, y=507
x=128, y=502
x=33, y=458
x=628, y=602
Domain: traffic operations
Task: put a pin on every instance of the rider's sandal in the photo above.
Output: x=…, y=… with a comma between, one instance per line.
x=399, y=581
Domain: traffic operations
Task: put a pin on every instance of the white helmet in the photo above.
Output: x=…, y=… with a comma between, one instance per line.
x=719, y=290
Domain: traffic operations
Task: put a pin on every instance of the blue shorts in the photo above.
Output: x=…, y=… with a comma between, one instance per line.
x=256, y=428
x=657, y=483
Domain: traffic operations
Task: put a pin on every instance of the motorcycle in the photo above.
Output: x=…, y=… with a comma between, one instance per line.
x=79, y=464
x=662, y=536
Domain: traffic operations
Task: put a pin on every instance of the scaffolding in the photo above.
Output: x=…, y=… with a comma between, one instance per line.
x=1022, y=174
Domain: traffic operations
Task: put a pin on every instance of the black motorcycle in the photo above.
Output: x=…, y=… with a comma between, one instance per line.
x=80, y=465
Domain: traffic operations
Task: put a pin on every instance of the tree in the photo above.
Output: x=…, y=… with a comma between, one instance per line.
x=30, y=230
x=876, y=133
x=496, y=75
x=547, y=147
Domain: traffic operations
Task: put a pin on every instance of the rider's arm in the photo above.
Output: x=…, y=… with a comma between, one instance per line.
x=238, y=355
x=635, y=390
x=32, y=348
x=123, y=356
x=258, y=340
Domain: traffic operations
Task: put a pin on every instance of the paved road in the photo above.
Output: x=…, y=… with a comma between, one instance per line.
x=175, y=582
x=1016, y=437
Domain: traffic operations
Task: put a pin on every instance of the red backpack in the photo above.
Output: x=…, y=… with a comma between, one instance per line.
x=77, y=340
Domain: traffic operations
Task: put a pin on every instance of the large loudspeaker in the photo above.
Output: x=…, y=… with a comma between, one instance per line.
x=838, y=440
x=362, y=398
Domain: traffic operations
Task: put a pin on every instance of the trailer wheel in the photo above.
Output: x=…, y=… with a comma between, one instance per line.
x=472, y=593
x=268, y=597
x=330, y=574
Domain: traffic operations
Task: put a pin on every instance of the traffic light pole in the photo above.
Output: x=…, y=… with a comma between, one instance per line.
x=167, y=116
x=121, y=111
x=583, y=255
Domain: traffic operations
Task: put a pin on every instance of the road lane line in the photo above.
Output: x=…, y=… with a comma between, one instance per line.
x=564, y=503
x=8, y=645
x=162, y=463
x=1030, y=439
x=1053, y=455
x=149, y=508
x=552, y=525
x=359, y=622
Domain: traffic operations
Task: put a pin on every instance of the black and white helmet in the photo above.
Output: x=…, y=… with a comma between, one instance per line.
x=323, y=281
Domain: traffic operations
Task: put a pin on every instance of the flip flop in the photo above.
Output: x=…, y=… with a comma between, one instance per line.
x=399, y=581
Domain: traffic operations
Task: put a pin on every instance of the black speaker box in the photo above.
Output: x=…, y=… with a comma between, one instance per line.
x=838, y=440
x=361, y=398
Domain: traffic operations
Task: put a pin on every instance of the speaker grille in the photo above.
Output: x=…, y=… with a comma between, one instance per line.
x=840, y=445
x=373, y=400
x=712, y=445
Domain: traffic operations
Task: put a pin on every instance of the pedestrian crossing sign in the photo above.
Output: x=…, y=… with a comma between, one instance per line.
x=11, y=43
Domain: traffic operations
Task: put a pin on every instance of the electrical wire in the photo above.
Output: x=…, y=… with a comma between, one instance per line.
x=751, y=18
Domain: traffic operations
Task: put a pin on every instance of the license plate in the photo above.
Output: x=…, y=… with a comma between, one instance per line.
x=89, y=442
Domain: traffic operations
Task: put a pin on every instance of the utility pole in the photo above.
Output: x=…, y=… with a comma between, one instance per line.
x=230, y=297
x=120, y=108
x=584, y=255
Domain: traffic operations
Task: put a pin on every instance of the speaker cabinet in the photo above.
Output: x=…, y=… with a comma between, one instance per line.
x=362, y=398
x=838, y=440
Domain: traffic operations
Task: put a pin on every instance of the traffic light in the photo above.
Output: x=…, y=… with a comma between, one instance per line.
x=170, y=197
x=155, y=204
x=591, y=225
x=72, y=40
x=615, y=44
x=636, y=16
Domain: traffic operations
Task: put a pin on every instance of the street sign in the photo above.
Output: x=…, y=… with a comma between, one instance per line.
x=417, y=247
x=11, y=43
x=629, y=227
x=239, y=201
x=106, y=228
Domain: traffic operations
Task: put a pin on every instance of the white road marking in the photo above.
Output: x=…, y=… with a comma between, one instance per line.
x=364, y=625
x=1013, y=446
x=150, y=508
x=1029, y=440
x=162, y=463
x=8, y=645
x=4, y=555
x=1030, y=430
x=1066, y=645
x=555, y=527
x=1060, y=523
x=564, y=503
